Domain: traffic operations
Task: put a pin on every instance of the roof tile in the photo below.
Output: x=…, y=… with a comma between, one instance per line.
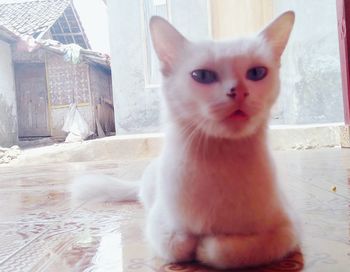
x=32, y=17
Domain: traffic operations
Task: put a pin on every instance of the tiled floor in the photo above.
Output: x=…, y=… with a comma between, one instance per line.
x=42, y=229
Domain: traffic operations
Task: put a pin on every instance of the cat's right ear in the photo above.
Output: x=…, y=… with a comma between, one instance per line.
x=167, y=42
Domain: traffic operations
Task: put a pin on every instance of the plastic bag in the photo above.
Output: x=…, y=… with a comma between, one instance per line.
x=72, y=53
x=75, y=125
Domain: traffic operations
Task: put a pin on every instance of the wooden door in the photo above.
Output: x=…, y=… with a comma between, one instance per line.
x=32, y=100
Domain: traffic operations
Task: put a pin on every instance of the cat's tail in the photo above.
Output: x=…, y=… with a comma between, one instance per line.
x=103, y=188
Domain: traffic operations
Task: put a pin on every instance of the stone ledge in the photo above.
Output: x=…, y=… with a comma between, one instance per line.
x=345, y=136
x=147, y=146
x=305, y=136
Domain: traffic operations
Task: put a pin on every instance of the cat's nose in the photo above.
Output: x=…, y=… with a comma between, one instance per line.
x=233, y=93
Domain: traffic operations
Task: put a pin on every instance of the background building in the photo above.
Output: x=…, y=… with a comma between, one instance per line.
x=49, y=58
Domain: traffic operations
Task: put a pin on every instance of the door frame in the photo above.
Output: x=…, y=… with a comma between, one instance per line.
x=343, y=18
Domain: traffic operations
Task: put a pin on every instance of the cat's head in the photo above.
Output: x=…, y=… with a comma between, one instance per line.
x=225, y=89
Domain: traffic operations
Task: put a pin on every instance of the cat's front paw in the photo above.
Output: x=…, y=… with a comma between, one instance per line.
x=209, y=251
x=181, y=248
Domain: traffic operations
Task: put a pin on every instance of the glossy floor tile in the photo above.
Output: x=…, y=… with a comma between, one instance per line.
x=43, y=229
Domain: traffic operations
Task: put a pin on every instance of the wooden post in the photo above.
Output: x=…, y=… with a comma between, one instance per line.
x=343, y=14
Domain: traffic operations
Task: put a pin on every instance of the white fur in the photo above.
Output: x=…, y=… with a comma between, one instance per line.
x=212, y=194
x=103, y=188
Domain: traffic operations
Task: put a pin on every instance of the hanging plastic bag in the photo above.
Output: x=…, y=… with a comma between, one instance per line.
x=72, y=53
x=75, y=125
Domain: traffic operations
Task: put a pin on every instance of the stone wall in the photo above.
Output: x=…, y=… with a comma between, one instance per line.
x=8, y=108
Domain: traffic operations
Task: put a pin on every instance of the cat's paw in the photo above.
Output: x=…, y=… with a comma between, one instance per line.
x=210, y=252
x=181, y=248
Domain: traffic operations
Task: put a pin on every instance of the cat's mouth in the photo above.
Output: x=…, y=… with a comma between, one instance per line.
x=238, y=115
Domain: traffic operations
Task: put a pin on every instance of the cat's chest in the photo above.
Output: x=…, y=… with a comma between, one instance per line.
x=228, y=182
x=209, y=196
x=231, y=173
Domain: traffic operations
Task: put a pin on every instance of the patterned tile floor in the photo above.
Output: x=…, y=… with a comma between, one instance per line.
x=43, y=229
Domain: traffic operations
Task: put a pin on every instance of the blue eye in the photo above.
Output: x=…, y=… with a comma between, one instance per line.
x=256, y=73
x=204, y=76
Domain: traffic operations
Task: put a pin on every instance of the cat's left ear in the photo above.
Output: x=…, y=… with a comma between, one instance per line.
x=278, y=31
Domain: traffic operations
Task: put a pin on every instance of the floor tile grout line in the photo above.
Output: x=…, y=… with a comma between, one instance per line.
x=49, y=225
x=22, y=247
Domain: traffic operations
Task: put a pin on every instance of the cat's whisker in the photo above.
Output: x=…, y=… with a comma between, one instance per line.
x=195, y=138
x=222, y=109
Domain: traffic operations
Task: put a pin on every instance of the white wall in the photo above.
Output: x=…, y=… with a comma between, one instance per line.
x=311, y=89
x=137, y=107
x=311, y=81
x=8, y=109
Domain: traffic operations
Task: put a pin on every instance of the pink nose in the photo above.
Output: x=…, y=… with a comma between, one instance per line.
x=235, y=94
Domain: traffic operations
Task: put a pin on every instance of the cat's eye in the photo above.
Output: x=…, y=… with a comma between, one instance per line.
x=256, y=73
x=204, y=76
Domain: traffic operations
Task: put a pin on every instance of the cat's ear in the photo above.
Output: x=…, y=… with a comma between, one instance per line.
x=167, y=42
x=278, y=31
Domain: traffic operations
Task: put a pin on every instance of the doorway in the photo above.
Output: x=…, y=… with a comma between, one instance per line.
x=32, y=100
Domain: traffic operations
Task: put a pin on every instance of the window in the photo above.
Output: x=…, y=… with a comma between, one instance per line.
x=150, y=8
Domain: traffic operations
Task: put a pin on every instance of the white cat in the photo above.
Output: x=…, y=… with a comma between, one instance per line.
x=212, y=194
